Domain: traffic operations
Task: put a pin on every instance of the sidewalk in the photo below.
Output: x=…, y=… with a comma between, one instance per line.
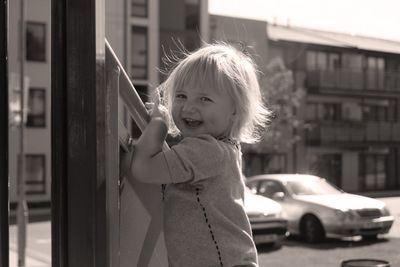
x=38, y=247
x=29, y=261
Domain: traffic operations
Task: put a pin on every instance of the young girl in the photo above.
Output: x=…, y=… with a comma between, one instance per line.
x=213, y=101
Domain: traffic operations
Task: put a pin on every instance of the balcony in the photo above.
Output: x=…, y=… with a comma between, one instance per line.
x=353, y=80
x=353, y=133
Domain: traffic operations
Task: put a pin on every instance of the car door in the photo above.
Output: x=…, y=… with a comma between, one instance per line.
x=277, y=191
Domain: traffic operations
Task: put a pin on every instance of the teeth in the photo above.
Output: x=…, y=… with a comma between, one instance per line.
x=191, y=122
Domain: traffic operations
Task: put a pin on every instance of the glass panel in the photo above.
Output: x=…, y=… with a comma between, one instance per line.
x=375, y=171
x=274, y=164
x=35, y=174
x=321, y=61
x=253, y=187
x=311, y=60
x=334, y=62
x=36, y=108
x=269, y=188
x=139, y=53
x=192, y=14
x=328, y=166
x=381, y=172
x=139, y=8
x=371, y=63
x=370, y=181
x=377, y=113
x=380, y=64
x=352, y=111
x=36, y=149
x=35, y=41
x=352, y=61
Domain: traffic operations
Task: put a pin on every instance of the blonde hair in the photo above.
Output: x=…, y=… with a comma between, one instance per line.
x=223, y=67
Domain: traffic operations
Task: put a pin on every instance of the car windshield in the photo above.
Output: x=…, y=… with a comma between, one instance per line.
x=312, y=187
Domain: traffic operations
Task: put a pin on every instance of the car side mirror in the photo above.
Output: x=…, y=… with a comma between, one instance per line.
x=278, y=196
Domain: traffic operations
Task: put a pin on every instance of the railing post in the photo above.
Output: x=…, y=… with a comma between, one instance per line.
x=141, y=240
x=112, y=161
x=4, y=205
x=79, y=132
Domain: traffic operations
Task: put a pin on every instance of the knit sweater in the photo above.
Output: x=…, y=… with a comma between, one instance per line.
x=204, y=219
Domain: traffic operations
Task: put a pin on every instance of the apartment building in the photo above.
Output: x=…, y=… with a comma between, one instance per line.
x=37, y=93
x=139, y=32
x=352, y=105
x=351, y=108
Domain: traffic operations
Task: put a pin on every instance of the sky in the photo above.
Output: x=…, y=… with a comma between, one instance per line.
x=375, y=18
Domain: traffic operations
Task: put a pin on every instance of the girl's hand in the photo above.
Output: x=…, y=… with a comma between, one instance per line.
x=157, y=110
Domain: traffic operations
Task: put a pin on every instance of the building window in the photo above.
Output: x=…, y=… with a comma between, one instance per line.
x=192, y=15
x=318, y=60
x=328, y=166
x=324, y=111
x=351, y=111
x=373, y=171
x=259, y=163
x=276, y=164
x=139, y=53
x=352, y=62
x=375, y=71
x=35, y=174
x=384, y=110
x=139, y=8
x=36, y=41
x=36, y=116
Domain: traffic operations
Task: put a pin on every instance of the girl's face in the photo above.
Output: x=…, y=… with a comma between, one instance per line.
x=202, y=111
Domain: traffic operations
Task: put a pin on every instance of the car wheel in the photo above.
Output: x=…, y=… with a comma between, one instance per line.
x=312, y=230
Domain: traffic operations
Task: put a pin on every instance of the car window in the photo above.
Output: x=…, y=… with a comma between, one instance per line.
x=253, y=186
x=268, y=188
x=312, y=187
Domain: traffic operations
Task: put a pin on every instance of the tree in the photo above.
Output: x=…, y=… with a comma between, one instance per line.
x=283, y=99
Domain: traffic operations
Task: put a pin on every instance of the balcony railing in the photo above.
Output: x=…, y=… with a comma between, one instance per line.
x=137, y=233
x=354, y=133
x=354, y=80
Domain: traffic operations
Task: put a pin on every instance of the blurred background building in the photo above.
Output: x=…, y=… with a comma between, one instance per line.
x=139, y=32
x=349, y=114
x=345, y=126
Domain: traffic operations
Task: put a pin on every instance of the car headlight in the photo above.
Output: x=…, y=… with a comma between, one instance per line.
x=385, y=211
x=340, y=214
x=271, y=214
x=345, y=215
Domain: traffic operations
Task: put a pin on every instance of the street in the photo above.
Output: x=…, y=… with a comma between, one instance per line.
x=329, y=253
x=332, y=252
x=291, y=252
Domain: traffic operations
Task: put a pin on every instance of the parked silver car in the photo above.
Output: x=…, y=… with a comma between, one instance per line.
x=315, y=209
x=265, y=215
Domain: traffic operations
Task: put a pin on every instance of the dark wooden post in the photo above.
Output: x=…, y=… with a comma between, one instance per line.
x=80, y=235
x=4, y=205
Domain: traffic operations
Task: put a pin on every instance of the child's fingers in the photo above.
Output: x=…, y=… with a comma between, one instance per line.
x=149, y=105
x=153, y=109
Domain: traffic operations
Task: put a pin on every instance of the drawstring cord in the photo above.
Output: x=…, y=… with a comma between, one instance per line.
x=209, y=226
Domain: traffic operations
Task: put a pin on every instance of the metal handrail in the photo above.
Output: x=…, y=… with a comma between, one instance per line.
x=131, y=99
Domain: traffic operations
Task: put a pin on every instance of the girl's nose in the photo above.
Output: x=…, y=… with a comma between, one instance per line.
x=189, y=106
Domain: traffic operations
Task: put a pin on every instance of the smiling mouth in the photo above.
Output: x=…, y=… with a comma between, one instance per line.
x=190, y=123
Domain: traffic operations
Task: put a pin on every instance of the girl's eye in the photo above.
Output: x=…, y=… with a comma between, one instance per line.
x=206, y=99
x=180, y=96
